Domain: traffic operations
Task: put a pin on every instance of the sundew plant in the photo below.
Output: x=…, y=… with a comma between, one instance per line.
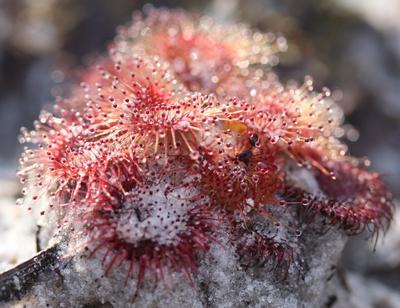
x=181, y=133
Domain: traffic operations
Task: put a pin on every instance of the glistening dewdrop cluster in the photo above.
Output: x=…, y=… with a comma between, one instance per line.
x=183, y=134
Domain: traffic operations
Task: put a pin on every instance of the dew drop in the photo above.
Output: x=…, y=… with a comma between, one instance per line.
x=255, y=178
x=194, y=155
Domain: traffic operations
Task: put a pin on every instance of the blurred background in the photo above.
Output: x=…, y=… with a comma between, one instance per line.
x=351, y=46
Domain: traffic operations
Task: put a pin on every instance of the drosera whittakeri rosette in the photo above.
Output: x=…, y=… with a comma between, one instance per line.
x=183, y=133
